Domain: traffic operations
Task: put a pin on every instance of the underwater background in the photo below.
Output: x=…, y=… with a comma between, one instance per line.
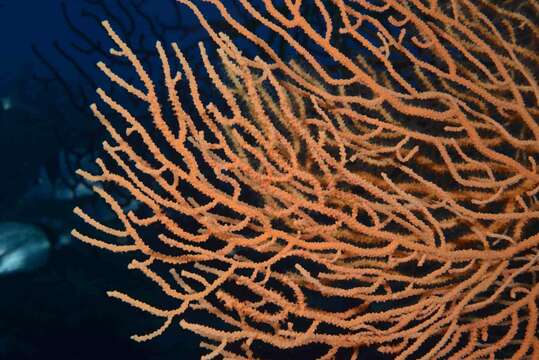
x=52, y=288
x=53, y=301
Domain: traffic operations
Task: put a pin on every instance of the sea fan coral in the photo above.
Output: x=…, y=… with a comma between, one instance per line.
x=373, y=185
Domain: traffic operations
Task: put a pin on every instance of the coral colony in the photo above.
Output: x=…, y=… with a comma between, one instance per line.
x=373, y=186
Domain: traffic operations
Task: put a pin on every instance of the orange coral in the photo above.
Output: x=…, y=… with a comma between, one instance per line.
x=394, y=206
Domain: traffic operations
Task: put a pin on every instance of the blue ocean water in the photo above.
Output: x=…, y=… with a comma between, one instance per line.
x=53, y=301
